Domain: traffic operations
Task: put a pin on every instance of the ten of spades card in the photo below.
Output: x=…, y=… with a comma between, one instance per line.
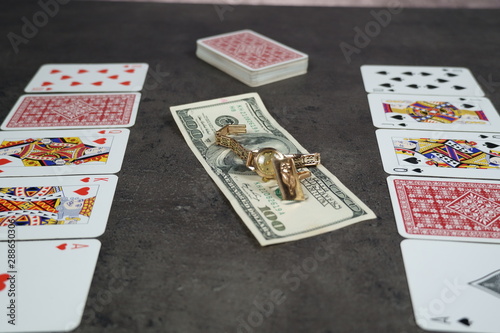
x=422, y=80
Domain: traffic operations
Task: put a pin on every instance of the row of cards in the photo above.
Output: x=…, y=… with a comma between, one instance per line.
x=58, y=157
x=436, y=123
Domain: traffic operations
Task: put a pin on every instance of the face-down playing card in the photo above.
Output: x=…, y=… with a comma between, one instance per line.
x=62, y=152
x=446, y=208
x=44, y=284
x=442, y=154
x=437, y=113
x=59, y=111
x=454, y=286
x=55, y=207
x=423, y=80
x=88, y=78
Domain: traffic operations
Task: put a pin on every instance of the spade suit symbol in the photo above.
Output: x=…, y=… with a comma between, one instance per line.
x=490, y=145
x=465, y=321
x=398, y=117
x=418, y=170
x=412, y=160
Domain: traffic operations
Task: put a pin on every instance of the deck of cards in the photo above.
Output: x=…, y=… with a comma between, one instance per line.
x=252, y=58
x=439, y=139
x=59, y=150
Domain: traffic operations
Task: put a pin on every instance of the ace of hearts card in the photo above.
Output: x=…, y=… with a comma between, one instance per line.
x=55, y=207
x=44, y=284
x=441, y=154
x=62, y=152
x=88, y=78
x=446, y=208
x=454, y=286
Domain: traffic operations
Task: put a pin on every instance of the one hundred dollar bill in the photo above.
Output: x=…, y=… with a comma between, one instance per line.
x=329, y=205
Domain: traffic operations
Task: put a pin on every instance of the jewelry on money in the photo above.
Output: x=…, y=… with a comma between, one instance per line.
x=270, y=163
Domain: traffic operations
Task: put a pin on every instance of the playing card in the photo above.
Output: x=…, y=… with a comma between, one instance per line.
x=422, y=80
x=446, y=209
x=454, y=286
x=62, y=152
x=252, y=51
x=438, y=113
x=55, y=207
x=442, y=154
x=88, y=78
x=44, y=284
x=73, y=111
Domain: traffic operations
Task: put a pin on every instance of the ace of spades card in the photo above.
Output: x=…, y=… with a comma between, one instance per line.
x=454, y=286
x=424, y=80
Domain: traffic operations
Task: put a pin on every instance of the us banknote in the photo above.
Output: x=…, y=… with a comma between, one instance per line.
x=329, y=205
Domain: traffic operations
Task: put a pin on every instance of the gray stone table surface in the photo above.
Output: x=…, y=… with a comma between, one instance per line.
x=175, y=256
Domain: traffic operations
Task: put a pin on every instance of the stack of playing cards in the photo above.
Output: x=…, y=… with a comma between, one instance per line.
x=252, y=58
x=438, y=124
x=57, y=159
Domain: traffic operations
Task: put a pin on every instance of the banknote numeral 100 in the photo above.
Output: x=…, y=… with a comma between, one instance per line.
x=271, y=216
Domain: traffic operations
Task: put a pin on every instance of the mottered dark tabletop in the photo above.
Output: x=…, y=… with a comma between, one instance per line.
x=175, y=256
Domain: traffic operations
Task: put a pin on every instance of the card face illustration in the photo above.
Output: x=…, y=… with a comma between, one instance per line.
x=88, y=78
x=60, y=111
x=62, y=152
x=437, y=113
x=422, y=80
x=446, y=208
x=55, y=207
x=454, y=286
x=251, y=50
x=53, y=275
x=441, y=154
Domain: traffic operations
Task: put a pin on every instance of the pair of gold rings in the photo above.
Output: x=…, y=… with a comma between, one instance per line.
x=270, y=163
